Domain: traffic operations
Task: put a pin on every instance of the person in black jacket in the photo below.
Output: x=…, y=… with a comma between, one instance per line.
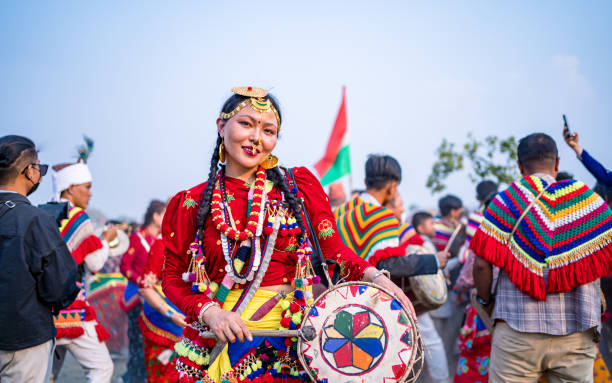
x=37, y=272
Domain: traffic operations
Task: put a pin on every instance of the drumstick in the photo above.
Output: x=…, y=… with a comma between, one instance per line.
x=307, y=333
x=452, y=238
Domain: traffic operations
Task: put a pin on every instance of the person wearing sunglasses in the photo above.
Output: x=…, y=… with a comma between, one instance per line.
x=38, y=272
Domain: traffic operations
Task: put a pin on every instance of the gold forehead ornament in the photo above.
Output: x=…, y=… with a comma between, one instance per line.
x=256, y=99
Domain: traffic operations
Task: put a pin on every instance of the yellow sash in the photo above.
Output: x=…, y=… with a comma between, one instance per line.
x=271, y=321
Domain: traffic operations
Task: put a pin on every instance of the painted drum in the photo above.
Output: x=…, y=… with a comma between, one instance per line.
x=363, y=335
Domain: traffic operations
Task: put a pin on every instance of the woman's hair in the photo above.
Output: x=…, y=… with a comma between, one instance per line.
x=155, y=206
x=15, y=152
x=275, y=174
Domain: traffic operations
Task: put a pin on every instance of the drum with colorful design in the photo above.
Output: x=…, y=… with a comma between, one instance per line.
x=363, y=335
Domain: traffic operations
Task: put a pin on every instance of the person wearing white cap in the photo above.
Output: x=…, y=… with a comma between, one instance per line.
x=82, y=334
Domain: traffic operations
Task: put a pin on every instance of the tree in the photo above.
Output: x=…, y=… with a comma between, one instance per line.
x=492, y=158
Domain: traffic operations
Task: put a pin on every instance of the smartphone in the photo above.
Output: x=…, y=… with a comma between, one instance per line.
x=566, y=125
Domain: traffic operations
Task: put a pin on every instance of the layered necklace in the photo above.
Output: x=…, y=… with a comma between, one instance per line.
x=240, y=247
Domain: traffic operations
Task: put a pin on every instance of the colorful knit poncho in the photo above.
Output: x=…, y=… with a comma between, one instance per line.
x=365, y=227
x=568, y=231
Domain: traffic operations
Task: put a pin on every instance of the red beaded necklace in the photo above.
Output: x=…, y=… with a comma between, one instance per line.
x=228, y=229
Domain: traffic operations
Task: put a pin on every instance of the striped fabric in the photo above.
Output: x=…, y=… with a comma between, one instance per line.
x=567, y=232
x=77, y=232
x=444, y=231
x=474, y=221
x=409, y=236
x=365, y=227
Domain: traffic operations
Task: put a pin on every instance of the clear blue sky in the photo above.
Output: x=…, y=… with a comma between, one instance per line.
x=146, y=80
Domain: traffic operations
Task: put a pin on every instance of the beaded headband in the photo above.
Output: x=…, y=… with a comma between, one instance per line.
x=256, y=100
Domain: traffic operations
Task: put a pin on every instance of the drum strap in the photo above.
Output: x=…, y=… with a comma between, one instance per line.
x=319, y=263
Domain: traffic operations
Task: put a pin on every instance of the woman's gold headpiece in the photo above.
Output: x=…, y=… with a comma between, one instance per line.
x=256, y=100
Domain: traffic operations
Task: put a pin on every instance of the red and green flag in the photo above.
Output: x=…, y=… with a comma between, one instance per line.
x=336, y=162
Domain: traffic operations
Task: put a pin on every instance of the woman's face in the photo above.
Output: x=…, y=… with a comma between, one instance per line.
x=249, y=137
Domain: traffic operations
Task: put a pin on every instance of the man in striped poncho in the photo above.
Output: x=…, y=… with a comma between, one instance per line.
x=78, y=330
x=553, y=242
x=372, y=231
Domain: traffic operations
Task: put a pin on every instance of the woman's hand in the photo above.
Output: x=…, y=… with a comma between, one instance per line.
x=227, y=325
x=179, y=320
x=386, y=283
x=572, y=140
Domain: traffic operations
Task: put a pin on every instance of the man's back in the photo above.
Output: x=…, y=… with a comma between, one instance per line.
x=38, y=272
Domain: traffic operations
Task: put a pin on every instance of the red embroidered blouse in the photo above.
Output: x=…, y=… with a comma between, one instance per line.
x=155, y=263
x=134, y=260
x=180, y=225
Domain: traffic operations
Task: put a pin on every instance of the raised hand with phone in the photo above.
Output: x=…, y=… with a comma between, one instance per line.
x=603, y=175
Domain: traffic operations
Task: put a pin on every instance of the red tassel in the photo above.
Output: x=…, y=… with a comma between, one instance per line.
x=90, y=313
x=585, y=270
x=499, y=254
x=70, y=332
x=102, y=333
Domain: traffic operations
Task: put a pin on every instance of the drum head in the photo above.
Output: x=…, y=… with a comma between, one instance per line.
x=363, y=335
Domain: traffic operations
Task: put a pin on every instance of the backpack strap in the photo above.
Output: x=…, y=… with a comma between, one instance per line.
x=7, y=206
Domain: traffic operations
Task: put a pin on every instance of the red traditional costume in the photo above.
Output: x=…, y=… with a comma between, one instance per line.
x=133, y=265
x=159, y=332
x=263, y=359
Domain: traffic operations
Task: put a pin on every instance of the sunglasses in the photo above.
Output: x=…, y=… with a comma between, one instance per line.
x=42, y=168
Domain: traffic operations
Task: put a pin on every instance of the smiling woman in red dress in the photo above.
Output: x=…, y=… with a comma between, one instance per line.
x=238, y=253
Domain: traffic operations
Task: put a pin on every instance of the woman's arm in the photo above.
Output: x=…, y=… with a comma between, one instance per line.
x=324, y=224
x=353, y=267
x=157, y=302
x=178, y=232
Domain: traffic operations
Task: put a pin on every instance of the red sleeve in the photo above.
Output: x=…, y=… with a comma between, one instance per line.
x=178, y=232
x=127, y=261
x=324, y=224
x=153, y=268
x=86, y=247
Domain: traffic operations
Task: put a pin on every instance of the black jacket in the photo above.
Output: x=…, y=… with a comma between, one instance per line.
x=410, y=266
x=37, y=274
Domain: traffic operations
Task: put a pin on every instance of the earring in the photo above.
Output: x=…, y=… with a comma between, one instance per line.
x=222, y=152
x=270, y=162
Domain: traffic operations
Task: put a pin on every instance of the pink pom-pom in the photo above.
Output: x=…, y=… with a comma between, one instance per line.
x=316, y=279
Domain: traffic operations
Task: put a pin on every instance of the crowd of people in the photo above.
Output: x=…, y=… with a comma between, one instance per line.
x=513, y=291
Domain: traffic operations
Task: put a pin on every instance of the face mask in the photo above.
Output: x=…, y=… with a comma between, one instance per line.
x=33, y=189
x=36, y=184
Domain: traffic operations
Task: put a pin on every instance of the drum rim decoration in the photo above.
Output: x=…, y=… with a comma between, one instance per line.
x=416, y=357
